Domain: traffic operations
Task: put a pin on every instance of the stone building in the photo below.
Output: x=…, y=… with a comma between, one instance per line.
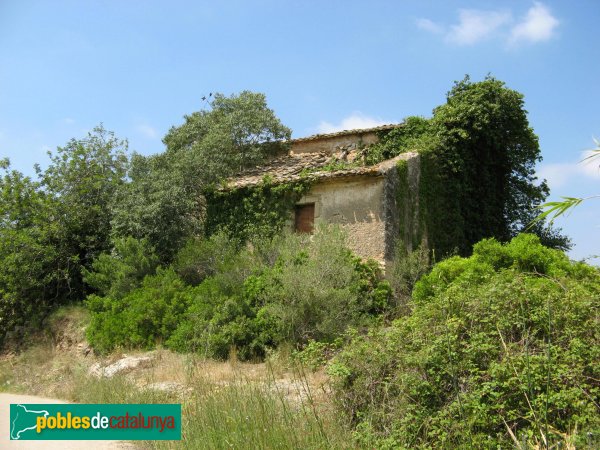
x=363, y=200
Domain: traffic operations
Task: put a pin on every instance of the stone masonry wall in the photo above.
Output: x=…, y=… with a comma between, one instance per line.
x=355, y=204
x=329, y=145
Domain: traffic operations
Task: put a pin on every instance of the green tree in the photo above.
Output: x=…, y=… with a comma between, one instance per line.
x=117, y=273
x=159, y=204
x=53, y=228
x=487, y=152
x=82, y=179
x=164, y=201
x=236, y=132
x=33, y=273
x=478, y=156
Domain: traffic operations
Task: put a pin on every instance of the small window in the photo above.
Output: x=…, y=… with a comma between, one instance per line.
x=305, y=218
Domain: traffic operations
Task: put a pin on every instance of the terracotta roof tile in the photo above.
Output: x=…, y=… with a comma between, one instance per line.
x=306, y=166
x=345, y=132
x=295, y=166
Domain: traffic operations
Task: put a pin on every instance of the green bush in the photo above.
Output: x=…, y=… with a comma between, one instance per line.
x=141, y=318
x=117, y=273
x=215, y=324
x=290, y=288
x=317, y=287
x=201, y=258
x=508, y=339
x=404, y=272
x=316, y=354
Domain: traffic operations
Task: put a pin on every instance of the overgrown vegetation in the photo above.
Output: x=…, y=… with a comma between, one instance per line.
x=165, y=200
x=53, y=228
x=485, y=351
x=478, y=156
x=263, y=210
x=288, y=289
x=503, y=343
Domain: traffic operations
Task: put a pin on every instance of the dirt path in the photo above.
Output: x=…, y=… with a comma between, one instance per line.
x=5, y=442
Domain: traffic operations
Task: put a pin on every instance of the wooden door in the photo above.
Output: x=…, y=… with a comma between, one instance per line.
x=305, y=218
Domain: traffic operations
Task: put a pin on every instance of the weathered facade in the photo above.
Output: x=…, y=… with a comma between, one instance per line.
x=363, y=200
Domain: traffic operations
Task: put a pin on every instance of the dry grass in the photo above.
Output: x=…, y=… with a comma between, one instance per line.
x=227, y=404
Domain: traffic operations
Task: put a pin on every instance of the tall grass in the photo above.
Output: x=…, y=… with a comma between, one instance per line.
x=239, y=412
x=246, y=415
x=224, y=405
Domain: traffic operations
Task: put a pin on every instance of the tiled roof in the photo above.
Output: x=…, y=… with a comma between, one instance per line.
x=345, y=132
x=306, y=166
x=295, y=166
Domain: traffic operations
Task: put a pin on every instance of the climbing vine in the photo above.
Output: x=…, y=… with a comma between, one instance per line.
x=477, y=156
x=260, y=210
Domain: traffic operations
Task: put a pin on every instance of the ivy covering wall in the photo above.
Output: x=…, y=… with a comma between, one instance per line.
x=261, y=210
x=476, y=180
x=477, y=169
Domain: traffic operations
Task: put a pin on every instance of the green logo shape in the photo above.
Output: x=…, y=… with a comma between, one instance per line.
x=39, y=422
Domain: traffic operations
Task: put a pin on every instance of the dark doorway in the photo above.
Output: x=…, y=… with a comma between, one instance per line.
x=305, y=218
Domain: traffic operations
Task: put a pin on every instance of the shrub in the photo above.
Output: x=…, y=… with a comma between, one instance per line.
x=315, y=354
x=215, y=324
x=141, y=318
x=287, y=289
x=117, y=273
x=508, y=339
x=201, y=258
x=404, y=272
x=317, y=287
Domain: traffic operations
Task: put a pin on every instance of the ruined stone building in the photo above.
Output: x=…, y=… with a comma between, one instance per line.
x=363, y=200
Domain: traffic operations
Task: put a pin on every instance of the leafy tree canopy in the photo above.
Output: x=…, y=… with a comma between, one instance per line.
x=82, y=178
x=236, y=132
x=478, y=155
x=52, y=229
x=164, y=201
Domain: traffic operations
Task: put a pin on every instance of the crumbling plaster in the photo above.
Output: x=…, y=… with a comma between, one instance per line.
x=331, y=144
x=355, y=205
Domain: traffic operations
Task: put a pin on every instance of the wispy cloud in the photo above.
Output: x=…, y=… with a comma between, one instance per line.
x=560, y=174
x=68, y=121
x=147, y=131
x=475, y=26
x=430, y=26
x=537, y=26
x=353, y=121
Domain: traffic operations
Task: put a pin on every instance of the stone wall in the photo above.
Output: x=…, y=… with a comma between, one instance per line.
x=331, y=144
x=356, y=205
x=401, y=205
x=374, y=210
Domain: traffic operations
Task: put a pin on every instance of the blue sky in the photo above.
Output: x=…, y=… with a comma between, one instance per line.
x=139, y=66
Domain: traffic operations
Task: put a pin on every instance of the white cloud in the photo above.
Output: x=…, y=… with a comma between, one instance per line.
x=147, y=131
x=537, y=26
x=475, y=26
x=560, y=174
x=353, y=121
x=68, y=121
x=429, y=25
